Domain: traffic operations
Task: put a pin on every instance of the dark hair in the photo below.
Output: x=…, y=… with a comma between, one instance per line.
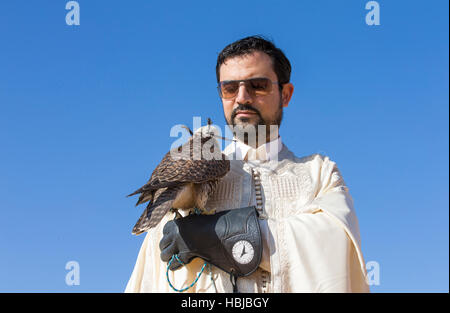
x=281, y=65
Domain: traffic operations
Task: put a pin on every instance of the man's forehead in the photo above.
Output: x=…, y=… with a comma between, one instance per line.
x=255, y=64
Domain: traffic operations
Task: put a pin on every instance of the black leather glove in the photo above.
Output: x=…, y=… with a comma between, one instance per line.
x=230, y=240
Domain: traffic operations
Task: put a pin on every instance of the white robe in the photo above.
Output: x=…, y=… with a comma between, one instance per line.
x=311, y=237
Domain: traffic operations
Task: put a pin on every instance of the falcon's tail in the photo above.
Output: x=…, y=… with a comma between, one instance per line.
x=146, y=195
x=156, y=210
x=140, y=190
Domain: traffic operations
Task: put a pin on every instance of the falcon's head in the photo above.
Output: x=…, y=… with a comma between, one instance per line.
x=206, y=132
x=208, y=139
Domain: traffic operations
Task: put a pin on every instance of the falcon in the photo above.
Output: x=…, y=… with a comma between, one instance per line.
x=183, y=182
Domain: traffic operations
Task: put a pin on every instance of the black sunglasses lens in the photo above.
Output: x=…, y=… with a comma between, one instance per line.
x=256, y=86
x=260, y=84
x=229, y=89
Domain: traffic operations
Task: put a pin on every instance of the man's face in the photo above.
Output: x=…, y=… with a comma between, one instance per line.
x=247, y=108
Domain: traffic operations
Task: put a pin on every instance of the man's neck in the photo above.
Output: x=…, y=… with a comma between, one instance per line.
x=258, y=143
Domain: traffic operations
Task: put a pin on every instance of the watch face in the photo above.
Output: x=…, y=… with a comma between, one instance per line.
x=243, y=252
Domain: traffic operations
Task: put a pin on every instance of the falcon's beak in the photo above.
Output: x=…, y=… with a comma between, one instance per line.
x=220, y=137
x=188, y=129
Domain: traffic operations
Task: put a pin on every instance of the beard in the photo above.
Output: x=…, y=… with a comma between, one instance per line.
x=252, y=122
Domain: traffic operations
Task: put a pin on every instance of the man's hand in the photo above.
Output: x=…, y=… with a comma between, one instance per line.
x=230, y=240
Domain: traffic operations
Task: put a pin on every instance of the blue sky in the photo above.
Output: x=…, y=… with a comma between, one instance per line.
x=86, y=113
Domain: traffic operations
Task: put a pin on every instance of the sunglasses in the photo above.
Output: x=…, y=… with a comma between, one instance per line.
x=259, y=86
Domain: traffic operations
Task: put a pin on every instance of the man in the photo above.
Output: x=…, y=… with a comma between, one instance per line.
x=310, y=233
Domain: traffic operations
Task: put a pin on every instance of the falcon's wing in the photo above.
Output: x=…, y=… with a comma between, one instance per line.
x=173, y=172
x=155, y=211
x=190, y=171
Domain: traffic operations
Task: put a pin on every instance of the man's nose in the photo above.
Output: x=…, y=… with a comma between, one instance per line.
x=243, y=95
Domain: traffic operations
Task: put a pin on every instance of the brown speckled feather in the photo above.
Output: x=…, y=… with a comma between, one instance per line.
x=171, y=176
x=173, y=172
x=163, y=200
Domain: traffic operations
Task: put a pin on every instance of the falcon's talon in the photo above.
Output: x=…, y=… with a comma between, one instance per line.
x=177, y=214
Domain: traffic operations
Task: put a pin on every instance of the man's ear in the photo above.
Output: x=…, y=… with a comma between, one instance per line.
x=286, y=94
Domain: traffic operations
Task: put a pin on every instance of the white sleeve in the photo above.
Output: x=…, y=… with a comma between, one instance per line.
x=318, y=249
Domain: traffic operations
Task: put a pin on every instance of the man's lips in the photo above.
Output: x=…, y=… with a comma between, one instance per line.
x=245, y=113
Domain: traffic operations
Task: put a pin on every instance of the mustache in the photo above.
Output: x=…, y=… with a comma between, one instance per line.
x=244, y=107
